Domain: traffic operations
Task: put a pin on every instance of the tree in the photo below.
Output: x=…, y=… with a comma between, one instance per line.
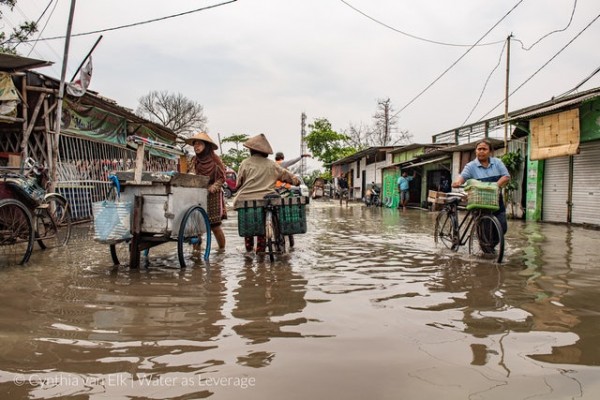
x=184, y=116
x=234, y=156
x=384, y=131
x=326, y=144
x=9, y=42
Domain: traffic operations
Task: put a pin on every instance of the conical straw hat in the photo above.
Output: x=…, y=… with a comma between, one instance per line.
x=201, y=136
x=259, y=143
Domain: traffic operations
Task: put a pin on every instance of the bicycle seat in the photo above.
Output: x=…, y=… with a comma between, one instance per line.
x=453, y=199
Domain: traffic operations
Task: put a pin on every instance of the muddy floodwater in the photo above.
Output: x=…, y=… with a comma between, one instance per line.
x=365, y=307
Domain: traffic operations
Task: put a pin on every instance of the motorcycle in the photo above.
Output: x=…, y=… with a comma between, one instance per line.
x=372, y=197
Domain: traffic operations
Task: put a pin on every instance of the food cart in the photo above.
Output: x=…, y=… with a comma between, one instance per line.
x=150, y=209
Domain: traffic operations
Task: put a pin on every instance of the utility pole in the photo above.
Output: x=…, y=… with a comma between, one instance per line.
x=506, y=124
x=302, y=143
x=59, y=100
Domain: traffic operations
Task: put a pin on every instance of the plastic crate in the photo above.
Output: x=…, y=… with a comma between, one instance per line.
x=251, y=219
x=482, y=195
x=292, y=216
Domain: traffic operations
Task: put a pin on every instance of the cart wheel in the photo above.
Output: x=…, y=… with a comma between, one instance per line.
x=53, y=222
x=193, y=242
x=120, y=253
x=16, y=232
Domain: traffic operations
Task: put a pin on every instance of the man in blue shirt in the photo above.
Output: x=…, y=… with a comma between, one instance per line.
x=487, y=169
x=403, y=188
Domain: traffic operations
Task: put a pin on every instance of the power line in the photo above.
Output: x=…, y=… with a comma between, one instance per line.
x=580, y=83
x=141, y=22
x=456, y=62
x=45, y=25
x=411, y=35
x=543, y=66
x=550, y=33
x=486, y=83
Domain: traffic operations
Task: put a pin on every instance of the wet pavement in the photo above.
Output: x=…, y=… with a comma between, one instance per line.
x=365, y=306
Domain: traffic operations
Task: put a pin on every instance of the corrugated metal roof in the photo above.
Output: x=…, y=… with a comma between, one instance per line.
x=418, y=163
x=553, y=105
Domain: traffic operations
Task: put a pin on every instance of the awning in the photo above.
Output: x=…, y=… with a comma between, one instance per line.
x=13, y=63
x=410, y=164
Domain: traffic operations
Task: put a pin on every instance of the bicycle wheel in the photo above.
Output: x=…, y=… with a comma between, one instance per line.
x=16, y=232
x=270, y=234
x=487, y=238
x=446, y=229
x=53, y=222
x=193, y=242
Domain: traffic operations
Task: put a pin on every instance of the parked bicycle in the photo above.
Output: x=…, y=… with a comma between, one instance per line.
x=479, y=228
x=28, y=214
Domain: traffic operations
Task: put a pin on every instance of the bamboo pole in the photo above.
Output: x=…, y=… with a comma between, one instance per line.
x=59, y=100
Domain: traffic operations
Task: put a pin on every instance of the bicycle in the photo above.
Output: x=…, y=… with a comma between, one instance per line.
x=479, y=227
x=28, y=214
x=275, y=240
x=344, y=195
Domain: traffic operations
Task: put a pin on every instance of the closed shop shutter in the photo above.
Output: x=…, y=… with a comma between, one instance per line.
x=586, y=185
x=556, y=187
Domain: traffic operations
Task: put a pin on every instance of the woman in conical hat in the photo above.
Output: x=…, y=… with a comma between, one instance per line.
x=206, y=162
x=256, y=178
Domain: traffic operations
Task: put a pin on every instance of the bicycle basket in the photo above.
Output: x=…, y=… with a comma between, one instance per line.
x=251, y=219
x=112, y=221
x=482, y=195
x=292, y=215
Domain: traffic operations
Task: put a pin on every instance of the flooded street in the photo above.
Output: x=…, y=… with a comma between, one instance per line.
x=365, y=306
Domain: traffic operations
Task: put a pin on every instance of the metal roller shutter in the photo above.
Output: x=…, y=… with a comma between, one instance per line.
x=556, y=186
x=586, y=185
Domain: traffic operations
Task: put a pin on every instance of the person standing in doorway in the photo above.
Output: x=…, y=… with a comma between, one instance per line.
x=206, y=162
x=404, y=188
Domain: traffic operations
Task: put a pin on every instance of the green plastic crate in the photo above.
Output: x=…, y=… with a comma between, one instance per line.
x=292, y=216
x=251, y=219
x=483, y=195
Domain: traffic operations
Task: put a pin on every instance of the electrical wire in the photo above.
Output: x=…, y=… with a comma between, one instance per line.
x=579, y=84
x=459, y=58
x=550, y=33
x=411, y=35
x=141, y=22
x=45, y=25
x=486, y=83
x=542, y=67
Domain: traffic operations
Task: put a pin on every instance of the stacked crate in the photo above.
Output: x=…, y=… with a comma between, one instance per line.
x=437, y=200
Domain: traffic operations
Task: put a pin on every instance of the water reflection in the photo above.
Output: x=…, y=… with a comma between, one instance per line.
x=365, y=306
x=269, y=298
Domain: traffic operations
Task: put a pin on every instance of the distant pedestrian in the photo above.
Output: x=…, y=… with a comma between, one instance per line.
x=404, y=188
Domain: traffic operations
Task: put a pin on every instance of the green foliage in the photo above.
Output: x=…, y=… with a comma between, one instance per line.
x=9, y=41
x=513, y=161
x=326, y=144
x=234, y=156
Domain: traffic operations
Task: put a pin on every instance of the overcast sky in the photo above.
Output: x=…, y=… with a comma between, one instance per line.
x=256, y=65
